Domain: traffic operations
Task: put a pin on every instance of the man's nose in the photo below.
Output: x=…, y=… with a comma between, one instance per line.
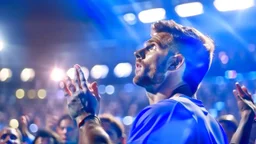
x=140, y=54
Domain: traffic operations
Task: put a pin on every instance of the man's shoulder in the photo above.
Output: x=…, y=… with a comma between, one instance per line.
x=167, y=107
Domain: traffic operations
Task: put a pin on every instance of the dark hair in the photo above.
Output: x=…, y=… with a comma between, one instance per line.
x=196, y=48
x=63, y=118
x=47, y=134
x=118, y=126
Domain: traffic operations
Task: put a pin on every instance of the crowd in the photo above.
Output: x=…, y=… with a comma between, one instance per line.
x=217, y=98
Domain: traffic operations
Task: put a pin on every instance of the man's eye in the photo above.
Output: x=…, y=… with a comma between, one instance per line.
x=152, y=48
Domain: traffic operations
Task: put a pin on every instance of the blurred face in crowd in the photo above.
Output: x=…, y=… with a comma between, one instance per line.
x=44, y=140
x=10, y=136
x=67, y=130
x=110, y=130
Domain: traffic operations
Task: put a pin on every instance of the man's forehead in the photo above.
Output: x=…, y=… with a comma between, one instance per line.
x=162, y=38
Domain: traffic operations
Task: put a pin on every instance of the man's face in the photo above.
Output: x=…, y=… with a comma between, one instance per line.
x=151, y=61
x=9, y=136
x=67, y=130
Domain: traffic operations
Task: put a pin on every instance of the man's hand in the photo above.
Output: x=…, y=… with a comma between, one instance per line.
x=82, y=98
x=244, y=100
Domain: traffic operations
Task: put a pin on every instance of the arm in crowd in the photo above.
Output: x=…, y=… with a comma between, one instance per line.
x=247, y=111
x=83, y=101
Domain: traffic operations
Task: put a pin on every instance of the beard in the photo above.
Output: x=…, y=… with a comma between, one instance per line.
x=148, y=77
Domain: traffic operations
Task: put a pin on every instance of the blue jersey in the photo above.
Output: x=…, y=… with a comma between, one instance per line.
x=179, y=120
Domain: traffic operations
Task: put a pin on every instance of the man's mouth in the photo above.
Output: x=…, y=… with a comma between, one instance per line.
x=138, y=67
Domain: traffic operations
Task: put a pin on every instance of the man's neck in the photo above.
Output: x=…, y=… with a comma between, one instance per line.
x=166, y=92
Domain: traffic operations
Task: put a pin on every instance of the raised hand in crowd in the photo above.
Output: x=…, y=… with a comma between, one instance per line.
x=83, y=105
x=247, y=111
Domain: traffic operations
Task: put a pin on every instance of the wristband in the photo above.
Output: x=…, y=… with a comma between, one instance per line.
x=87, y=118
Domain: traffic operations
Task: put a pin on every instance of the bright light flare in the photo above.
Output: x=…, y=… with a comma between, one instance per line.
x=14, y=123
x=152, y=15
x=189, y=9
x=123, y=70
x=5, y=74
x=130, y=18
x=57, y=74
x=27, y=74
x=231, y=5
x=99, y=71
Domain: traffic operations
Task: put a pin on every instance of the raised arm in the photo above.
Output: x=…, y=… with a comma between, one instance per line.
x=83, y=105
x=247, y=110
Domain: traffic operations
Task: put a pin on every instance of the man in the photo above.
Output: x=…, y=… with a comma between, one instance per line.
x=113, y=128
x=229, y=124
x=10, y=136
x=66, y=129
x=170, y=67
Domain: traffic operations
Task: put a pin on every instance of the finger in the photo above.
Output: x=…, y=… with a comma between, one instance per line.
x=90, y=87
x=81, y=77
x=239, y=90
x=77, y=81
x=70, y=85
x=94, y=86
x=65, y=89
x=236, y=95
x=246, y=91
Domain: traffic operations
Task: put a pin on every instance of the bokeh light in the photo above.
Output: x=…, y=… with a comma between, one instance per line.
x=33, y=128
x=31, y=94
x=20, y=93
x=27, y=74
x=128, y=120
x=57, y=74
x=99, y=71
x=14, y=123
x=41, y=93
x=110, y=89
x=5, y=74
x=123, y=70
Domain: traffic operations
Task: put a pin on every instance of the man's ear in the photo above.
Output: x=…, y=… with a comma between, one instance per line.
x=175, y=62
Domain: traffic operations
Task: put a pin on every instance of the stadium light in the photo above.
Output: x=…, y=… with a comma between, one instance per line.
x=5, y=74
x=123, y=70
x=231, y=5
x=152, y=15
x=57, y=74
x=189, y=9
x=27, y=74
x=130, y=18
x=99, y=71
